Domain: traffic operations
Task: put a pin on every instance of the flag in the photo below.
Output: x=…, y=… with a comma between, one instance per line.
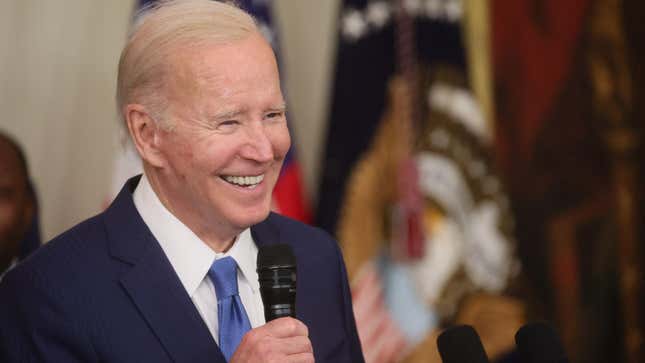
x=404, y=117
x=289, y=196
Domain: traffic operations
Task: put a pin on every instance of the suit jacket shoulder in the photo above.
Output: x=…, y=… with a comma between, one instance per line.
x=102, y=291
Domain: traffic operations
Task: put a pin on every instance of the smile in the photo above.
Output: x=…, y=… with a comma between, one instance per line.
x=244, y=181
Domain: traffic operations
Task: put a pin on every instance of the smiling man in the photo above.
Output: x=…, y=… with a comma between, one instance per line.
x=167, y=272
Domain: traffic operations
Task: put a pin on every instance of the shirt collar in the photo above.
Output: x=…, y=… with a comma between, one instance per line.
x=245, y=253
x=190, y=257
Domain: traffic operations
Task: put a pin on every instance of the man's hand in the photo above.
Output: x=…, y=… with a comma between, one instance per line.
x=281, y=340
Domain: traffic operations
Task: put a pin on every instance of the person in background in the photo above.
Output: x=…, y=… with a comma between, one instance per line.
x=19, y=232
x=168, y=272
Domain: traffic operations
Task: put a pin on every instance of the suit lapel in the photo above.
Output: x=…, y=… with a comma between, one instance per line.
x=158, y=294
x=154, y=287
x=265, y=232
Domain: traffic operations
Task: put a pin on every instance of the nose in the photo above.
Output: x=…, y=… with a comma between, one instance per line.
x=259, y=146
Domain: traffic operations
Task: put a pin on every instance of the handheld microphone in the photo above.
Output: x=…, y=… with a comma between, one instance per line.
x=539, y=343
x=461, y=344
x=276, y=269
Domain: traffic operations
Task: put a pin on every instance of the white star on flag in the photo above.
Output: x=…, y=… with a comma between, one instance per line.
x=378, y=13
x=354, y=26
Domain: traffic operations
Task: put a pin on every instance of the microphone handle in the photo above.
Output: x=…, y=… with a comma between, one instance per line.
x=278, y=290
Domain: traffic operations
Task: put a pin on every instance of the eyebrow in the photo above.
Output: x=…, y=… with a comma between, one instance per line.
x=229, y=114
x=282, y=107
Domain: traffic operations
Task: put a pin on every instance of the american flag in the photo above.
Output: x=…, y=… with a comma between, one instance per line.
x=400, y=303
x=381, y=339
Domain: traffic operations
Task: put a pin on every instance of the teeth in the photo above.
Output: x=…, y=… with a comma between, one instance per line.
x=245, y=181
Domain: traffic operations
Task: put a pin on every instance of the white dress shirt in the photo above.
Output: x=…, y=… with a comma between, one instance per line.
x=191, y=258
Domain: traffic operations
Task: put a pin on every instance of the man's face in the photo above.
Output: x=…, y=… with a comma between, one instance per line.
x=15, y=203
x=229, y=139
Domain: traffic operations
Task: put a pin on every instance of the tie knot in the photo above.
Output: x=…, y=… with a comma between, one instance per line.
x=223, y=274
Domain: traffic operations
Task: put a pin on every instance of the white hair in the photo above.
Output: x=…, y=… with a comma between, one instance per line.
x=158, y=33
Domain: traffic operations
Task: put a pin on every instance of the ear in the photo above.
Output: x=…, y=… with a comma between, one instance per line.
x=145, y=133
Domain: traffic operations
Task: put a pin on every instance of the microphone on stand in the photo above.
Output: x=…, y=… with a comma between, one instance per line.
x=461, y=344
x=539, y=343
x=276, y=269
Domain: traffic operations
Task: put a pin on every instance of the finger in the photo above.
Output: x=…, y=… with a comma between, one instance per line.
x=286, y=327
x=295, y=345
x=257, y=346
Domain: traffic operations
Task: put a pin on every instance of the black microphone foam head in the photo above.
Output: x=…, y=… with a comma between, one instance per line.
x=271, y=256
x=461, y=344
x=539, y=343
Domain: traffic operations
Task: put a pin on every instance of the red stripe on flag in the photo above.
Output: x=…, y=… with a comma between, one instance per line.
x=381, y=339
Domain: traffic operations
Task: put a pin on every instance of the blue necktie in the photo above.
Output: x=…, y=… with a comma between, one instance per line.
x=233, y=322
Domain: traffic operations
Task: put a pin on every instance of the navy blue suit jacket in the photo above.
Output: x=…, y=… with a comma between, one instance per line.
x=104, y=291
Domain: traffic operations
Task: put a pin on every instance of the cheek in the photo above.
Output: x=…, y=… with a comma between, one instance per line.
x=281, y=141
x=180, y=157
x=210, y=158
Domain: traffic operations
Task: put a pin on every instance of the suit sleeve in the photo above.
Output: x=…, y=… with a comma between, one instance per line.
x=35, y=326
x=355, y=351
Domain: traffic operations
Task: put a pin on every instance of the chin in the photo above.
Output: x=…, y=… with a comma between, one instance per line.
x=251, y=217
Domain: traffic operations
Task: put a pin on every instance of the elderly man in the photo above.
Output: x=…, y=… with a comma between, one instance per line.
x=199, y=91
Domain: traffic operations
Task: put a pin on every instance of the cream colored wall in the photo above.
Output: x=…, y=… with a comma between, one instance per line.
x=57, y=75
x=308, y=30
x=57, y=62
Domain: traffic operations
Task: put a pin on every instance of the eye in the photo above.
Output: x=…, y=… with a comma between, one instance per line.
x=275, y=115
x=228, y=125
